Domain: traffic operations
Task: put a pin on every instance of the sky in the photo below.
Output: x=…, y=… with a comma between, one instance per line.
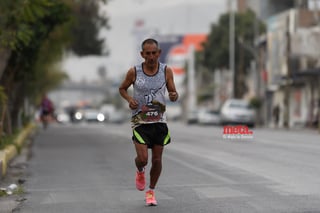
x=164, y=17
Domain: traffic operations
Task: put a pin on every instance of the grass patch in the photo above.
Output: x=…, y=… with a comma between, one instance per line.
x=18, y=191
x=3, y=193
x=6, y=140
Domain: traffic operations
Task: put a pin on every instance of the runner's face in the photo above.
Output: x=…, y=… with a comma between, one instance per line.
x=151, y=54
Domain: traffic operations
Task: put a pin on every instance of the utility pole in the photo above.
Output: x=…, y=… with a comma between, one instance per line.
x=192, y=94
x=318, y=23
x=257, y=60
x=231, y=47
x=286, y=122
x=319, y=103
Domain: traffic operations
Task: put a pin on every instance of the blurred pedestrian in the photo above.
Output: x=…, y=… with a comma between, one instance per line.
x=276, y=115
x=46, y=111
x=151, y=80
x=72, y=111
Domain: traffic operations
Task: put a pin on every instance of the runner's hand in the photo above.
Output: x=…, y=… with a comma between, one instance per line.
x=133, y=104
x=173, y=96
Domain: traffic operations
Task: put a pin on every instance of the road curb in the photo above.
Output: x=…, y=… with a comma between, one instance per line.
x=11, y=151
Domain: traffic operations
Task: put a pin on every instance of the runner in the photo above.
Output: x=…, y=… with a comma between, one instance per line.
x=150, y=81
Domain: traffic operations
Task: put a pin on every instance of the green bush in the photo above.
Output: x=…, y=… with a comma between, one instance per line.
x=6, y=140
x=255, y=102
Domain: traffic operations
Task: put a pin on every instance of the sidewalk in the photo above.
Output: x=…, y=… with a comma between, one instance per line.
x=14, y=175
x=11, y=151
x=13, y=163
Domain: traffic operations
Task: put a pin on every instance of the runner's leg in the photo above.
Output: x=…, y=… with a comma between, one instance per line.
x=156, y=165
x=141, y=159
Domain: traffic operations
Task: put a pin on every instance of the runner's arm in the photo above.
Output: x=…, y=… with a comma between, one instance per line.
x=173, y=94
x=123, y=89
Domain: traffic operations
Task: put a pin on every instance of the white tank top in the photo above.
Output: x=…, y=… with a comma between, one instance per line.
x=150, y=92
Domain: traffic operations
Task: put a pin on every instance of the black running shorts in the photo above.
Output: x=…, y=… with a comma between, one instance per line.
x=151, y=134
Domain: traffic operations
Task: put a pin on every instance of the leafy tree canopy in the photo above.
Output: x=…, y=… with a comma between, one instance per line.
x=37, y=33
x=88, y=21
x=216, y=49
x=19, y=23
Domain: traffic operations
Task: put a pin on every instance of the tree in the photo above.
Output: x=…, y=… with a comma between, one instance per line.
x=34, y=35
x=216, y=49
x=88, y=21
x=26, y=26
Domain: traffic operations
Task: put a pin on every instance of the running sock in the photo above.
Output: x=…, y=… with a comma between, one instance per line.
x=141, y=169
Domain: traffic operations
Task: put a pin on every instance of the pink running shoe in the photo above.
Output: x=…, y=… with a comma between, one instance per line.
x=140, y=181
x=150, y=198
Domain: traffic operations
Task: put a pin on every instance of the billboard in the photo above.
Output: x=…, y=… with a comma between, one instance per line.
x=166, y=42
x=175, y=52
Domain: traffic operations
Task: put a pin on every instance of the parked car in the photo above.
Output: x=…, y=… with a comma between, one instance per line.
x=89, y=115
x=62, y=117
x=107, y=110
x=206, y=117
x=119, y=117
x=93, y=115
x=192, y=117
x=237, y=111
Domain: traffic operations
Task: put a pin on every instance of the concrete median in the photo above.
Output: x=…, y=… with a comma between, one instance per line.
x=11, y=151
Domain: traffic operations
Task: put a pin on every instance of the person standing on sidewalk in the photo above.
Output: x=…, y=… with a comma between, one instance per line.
x=46, y=111
x=150, y=79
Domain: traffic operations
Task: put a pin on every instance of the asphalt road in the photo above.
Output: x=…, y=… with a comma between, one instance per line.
x=89, y=169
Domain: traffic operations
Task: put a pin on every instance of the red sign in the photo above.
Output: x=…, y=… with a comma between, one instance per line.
x=237, y=132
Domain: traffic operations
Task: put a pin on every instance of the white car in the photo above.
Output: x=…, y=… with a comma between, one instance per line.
x=89, y=115
x=206, y=117
x=192, y=117
x=92, y=115
x=237, y=111
x=119, y=117
x=62, y=117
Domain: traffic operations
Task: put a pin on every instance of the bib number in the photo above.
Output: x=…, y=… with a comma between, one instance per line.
x=151, y=113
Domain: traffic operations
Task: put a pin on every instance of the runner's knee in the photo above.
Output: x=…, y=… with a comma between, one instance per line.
x=142, y=160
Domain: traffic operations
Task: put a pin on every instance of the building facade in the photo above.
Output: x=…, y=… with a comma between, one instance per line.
x=293, y=67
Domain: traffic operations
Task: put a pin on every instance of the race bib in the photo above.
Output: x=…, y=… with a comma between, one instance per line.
x=151, y=113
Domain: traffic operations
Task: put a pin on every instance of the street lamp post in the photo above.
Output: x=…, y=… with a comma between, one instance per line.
x=286, y=122
x=231, y=46
x=254, y=65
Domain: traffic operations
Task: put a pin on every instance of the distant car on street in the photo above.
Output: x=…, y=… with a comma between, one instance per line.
x=119, y=117
x=62, y=116
x=93, y=115
x=192, y=117
x=108, y=110
x=89, y=115
x=207, y=117
x=237, y=111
